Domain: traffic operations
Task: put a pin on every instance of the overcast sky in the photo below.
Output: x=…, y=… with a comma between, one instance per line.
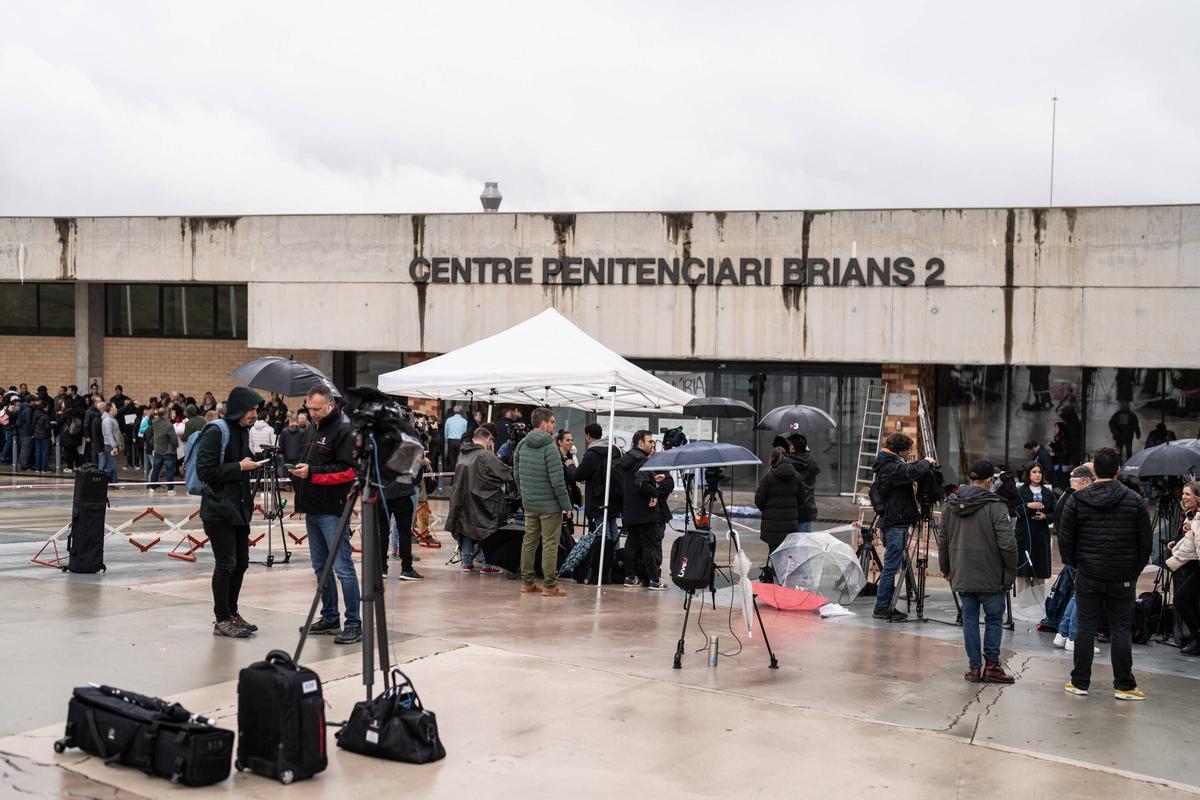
x=241, y=107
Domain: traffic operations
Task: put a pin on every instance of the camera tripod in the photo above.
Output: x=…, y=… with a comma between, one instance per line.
x=709, y=499
x=266, y=481
x=1165, y=523
x=914, y=571
x=374, y=622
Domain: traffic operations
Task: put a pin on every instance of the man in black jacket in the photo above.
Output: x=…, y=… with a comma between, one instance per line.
x=592, y=469
x=1104, y=533
x=896, y=475
x=226, y=505
x=643, y=492
x=326, y=474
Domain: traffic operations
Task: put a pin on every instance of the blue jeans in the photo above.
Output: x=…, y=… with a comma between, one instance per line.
x=894, y=540
x=613, y=531
x=322, y=529
x=159, y=460
x=7, y=454
x=1070, y=619
x=41, y=455
x=993, y=606
x=471, y=550
x=108, y=462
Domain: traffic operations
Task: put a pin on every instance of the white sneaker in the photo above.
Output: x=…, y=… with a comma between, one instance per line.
x=170, y=491
x=1070, y=646
x=1060, y=641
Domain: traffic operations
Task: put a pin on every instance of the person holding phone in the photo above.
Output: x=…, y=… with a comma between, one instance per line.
x=1033, y=526
x=226, y=505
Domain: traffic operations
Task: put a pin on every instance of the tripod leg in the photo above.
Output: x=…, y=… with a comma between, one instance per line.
x=327, y=570
x=766, y=641
x=687, y=610
x=371, y=584
x=1008, y=619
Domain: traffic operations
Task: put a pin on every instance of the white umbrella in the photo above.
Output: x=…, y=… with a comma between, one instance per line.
x=818, y=562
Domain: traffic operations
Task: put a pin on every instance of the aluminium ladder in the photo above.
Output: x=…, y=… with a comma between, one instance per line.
x=872, y=435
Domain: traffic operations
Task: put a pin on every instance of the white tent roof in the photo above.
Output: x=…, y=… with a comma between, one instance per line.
x=543, y=360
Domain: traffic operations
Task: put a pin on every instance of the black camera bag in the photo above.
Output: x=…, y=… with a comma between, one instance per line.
x=161, y=739
x=692, y=561
x=281, y=720
x=394, y=726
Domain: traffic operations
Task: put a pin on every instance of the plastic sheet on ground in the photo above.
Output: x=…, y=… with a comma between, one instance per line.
x=1030, y=604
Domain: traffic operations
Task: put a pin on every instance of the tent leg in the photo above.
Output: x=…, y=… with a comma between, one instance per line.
x=612, y=414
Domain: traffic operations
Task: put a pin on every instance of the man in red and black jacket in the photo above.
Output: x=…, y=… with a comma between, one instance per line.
x=326, y=473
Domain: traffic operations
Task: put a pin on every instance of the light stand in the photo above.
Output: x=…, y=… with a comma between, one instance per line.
x=267, y=483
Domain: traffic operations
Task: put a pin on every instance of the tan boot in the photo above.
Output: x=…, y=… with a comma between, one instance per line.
x=530, y=588
x=554, y=591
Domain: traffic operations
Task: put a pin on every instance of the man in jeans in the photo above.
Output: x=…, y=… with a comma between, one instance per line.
x=538, y=469
x=1104, y=533
x=111, y=442
x=166, y=443
x=326, y=474
x=977, y=553
x=896, y=476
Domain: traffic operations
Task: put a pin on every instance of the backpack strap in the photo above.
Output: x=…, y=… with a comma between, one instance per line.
x=225, y=434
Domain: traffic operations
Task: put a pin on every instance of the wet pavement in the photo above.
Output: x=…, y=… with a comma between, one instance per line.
x=577, y=695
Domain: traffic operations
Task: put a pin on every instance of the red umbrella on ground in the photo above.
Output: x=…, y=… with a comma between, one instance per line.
x=785, y=599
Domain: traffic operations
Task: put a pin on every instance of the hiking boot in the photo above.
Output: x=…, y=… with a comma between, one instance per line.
x=489, y=570
x=349, y=635
x=994, y=673
x=974, y=675
x=227, y=627
x=411, y=574
x=239, y=620
x=323, y=627
x=554, y=591
x=1073, y=689
x=632, y=583
x=657, y=586
x=427, y=540
x=530, y=588
x=1129, y=694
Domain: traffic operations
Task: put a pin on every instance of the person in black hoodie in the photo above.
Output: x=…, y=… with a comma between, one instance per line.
x=782, y=497
x=896, y=476
x=642, y=493
x=226, y=504
x=806, y=467
x=592, y=469
x=1104, y=533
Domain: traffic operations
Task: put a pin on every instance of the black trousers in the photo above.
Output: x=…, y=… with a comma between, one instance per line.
x=643, y=551
x=231, y=548
x=1187, y=597
x=401, y=509
x=1114, y=598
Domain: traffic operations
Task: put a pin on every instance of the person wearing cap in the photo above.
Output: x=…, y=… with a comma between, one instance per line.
x=977, y=553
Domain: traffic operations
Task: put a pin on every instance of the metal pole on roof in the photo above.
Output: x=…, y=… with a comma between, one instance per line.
x=612, y=414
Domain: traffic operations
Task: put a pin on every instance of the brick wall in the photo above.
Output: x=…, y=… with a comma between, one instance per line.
x=145, y=367
x=416, y=403
x=905, y=379
x=37, y=360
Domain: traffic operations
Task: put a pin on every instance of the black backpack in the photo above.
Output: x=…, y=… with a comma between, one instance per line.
x=877, y=497
x=1147, y=613
x=692, y=560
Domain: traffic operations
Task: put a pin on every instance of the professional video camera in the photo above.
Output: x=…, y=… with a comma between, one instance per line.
x=1005, y=487
x=714, y=475
x=673, y=437
x=381, y=423
x=931, y=488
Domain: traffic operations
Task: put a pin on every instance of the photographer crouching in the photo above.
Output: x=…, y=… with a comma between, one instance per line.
x=896, y=477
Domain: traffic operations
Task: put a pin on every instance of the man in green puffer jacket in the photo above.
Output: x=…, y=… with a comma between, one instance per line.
x=537, y=467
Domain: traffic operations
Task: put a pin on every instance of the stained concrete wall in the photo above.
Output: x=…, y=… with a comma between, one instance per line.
x=1093, y=286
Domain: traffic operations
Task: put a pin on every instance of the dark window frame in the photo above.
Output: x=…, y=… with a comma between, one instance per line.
x=161, y=333
x=38, y=328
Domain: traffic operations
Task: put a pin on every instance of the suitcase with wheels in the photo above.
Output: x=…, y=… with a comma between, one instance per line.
x=85, y=542
x=281, y=720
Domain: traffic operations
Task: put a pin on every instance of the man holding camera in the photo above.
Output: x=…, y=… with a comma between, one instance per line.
x=977, y=553
x=896, y=477
x=326, y=475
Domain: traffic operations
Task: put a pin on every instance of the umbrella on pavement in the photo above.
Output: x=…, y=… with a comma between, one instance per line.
x=786, y=599
x=698, y=455
x=796, y=419
x=718, y=408
x=818, y=562
x=286, y=376
x=1175, y=458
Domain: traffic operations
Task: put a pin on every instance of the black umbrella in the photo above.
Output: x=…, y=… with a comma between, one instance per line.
x=1180, y=457
x=503, y=549
x=286, y=376
x=796, y=419
x=717, y=408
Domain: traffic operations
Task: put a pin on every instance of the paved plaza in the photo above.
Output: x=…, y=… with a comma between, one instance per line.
x=577, y=696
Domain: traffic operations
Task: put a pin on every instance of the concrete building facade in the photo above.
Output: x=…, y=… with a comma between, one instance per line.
x=1004, y=317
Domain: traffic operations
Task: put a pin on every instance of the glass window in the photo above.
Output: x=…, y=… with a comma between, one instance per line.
x=231, y=312
x=18, y=308
x=56, y=309
x=132, y=310
x=188, y=310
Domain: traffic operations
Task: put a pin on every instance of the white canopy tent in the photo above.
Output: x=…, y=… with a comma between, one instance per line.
x=544, y=360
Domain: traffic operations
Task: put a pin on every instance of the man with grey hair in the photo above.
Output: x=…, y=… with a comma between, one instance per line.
x=455, y=428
